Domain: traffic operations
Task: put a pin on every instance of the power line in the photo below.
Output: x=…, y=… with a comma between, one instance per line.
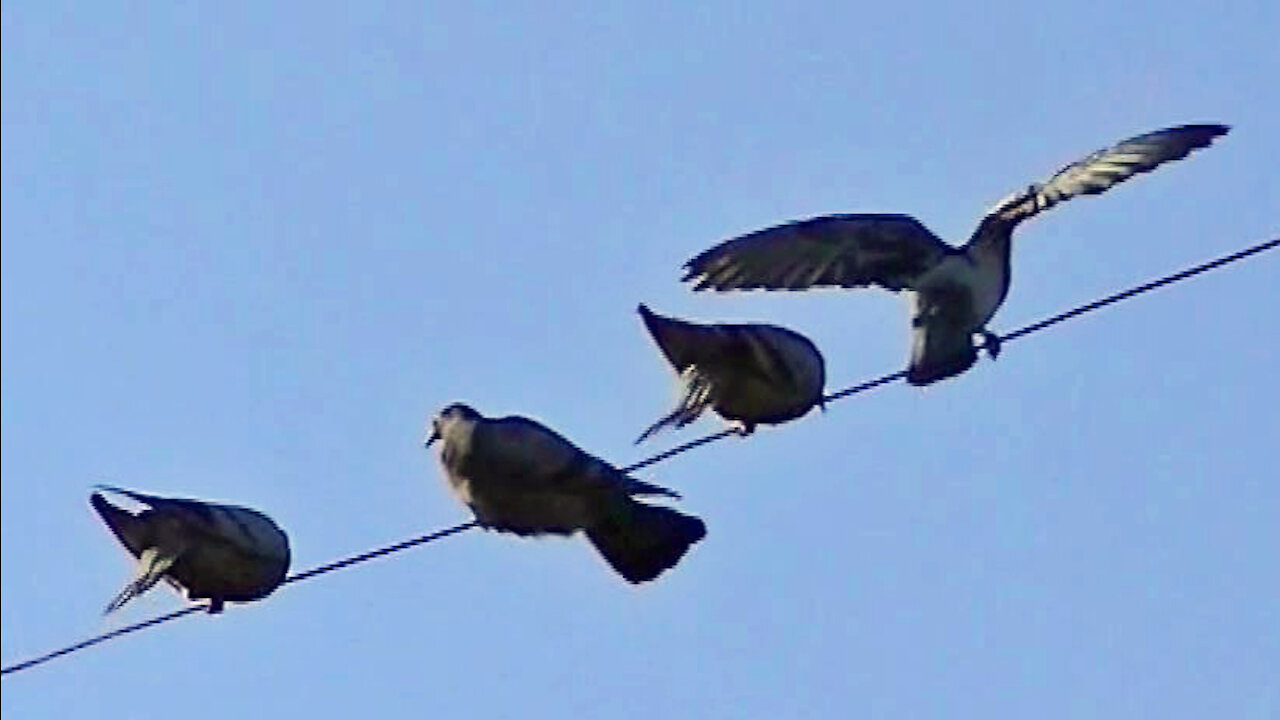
x=1144, y=288
x=364, y=557
x=299, y=577
x=100, y=638
x=679, y=449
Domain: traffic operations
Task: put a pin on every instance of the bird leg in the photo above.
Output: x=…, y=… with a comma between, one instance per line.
x=742, y=427
x=991, y=343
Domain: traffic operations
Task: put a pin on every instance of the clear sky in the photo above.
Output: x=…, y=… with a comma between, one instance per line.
x=248, y=248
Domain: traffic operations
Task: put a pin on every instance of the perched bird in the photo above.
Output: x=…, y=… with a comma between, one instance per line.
x=953, y=291
x=519, y=476
x=220, y=552
x=749, y=373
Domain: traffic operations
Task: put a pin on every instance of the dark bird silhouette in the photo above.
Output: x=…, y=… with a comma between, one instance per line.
x=521, y=477
x=953, y=291
x=748, y=373
x=222, y=553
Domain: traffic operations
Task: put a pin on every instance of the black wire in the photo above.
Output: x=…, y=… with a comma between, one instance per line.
x=100, y=638
x=851, y=390
x=1147, y=287
x=727, y=432
x=372, y=554
x=299, y=577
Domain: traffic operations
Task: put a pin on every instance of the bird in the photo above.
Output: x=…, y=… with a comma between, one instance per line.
x=223, y=553
x=953, y=292
x=519, y=476
x=748, y=373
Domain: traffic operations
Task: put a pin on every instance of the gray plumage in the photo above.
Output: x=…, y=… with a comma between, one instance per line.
x=519, y=476
x=222, y=553
x=750, y=373
x=954, y=291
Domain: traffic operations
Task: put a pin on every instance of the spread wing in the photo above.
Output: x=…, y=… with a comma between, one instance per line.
x=1098, y=172
x=846, y=251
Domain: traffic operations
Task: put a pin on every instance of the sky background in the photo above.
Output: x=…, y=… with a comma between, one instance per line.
x=248, y=250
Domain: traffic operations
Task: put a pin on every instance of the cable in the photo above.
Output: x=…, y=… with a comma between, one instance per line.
x=364, y=557
x=705, y=440
x=1144, y=288
x=299, y=577
x=100, y=638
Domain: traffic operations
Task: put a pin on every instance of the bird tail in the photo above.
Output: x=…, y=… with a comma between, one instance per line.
x=645, y=540
x=132, y=533
x=697, y=394
x=152, y=564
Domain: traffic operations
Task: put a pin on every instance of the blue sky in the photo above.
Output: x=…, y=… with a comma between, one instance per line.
x=248, y=250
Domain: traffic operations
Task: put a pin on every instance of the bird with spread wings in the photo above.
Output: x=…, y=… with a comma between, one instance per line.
x=953, y=291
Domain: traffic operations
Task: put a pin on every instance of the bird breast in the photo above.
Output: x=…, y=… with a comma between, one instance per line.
x=980, y=282
x=530, y=512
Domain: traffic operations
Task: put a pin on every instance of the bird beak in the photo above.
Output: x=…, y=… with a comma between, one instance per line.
x=434, y=436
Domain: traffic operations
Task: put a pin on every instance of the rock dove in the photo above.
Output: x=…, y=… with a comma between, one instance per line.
x=219, y=552
x=953, y=291
x=519, y=476
x=749, y=373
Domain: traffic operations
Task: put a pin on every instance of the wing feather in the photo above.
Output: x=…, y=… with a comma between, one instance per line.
x=529, y=455
x=846, y=251
x=1105, y=168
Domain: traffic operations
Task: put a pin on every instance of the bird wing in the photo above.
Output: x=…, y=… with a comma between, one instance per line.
x=717, y=362
x=685, y=343
x=756, y=351
x=847, y=251
x=128, y=529
x=1101, y=170
x=249, y=530
x=529, y=455
x=187, y=508
x=679, y=341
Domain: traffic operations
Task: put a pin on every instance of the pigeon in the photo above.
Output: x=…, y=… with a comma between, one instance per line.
x=953, y=291
x=222, y=553
x=748, y=373
x=521, y=477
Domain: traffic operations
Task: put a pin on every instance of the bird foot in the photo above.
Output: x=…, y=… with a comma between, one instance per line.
x=991, y=343
x=743, y=429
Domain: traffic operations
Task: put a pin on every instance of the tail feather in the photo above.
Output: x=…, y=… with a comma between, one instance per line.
x=647, y=541
x=697, y=394
x=152, y=564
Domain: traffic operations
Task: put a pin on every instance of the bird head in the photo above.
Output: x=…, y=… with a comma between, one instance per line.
x=451, y=416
